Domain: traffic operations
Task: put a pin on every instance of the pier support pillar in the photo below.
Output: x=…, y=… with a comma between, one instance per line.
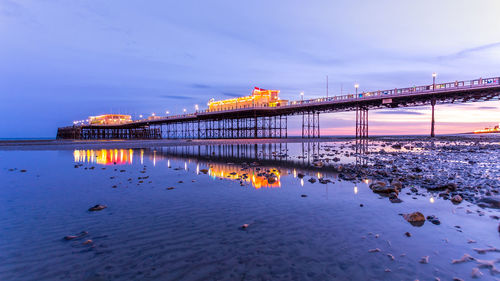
x=433, y=103
x=361, y=129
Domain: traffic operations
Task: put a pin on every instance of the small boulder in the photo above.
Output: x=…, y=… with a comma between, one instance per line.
x=457, y=199
x=415, y=218
x=97, y=207
x=433, y=219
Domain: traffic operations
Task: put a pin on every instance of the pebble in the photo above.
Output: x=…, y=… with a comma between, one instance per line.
x=424, y=260
x=97, y=207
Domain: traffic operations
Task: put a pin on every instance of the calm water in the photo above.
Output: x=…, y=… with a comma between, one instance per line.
x=192, y=232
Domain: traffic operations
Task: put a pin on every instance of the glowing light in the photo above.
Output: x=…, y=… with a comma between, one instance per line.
x=167, y=112
x=356, y=85
x=355, y=190
x=259, y=97
x=294, y=173
x=140, y=115
x=197, y=168
x=302, y=182
x=196, y=107
x=106, y=119
x=434, y=74
x=431, y=199
x=185, y=166
x=184, y=110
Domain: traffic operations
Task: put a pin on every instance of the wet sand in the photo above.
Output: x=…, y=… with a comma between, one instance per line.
x=176, y=212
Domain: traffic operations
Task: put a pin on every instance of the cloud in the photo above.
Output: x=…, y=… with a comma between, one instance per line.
x=232, y=95
x=400, y=112
x=487, y=107
x=176, y=97
x=200, y=86
x=468, y=51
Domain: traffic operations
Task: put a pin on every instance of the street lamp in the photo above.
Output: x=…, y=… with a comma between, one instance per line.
x=153, y=114
x=301, y=96
x=356, y=86
x=196, y=107
x=434, y=74
x=184, y=110
x=140, y=116
x=167, y=112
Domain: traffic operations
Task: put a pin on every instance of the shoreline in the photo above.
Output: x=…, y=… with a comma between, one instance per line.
x=44, y=144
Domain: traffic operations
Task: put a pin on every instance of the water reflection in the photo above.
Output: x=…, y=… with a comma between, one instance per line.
x=104, y=156
x=259, y=166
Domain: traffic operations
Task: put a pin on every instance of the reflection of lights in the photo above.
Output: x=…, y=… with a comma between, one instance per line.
x=431, y=199
x=104, y=156
x=302, y=182
x=154, y=158
x=294, y=173
x=185, y=166
x=142, y=156
x=197, y=168
x=355, y=190
x=168, y=163
x=366, y=181
x=319, y=175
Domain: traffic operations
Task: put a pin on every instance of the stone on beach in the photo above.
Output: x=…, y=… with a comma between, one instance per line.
x=433, y=219
x=382, y=187
x=424, y=260
x=457, y=199
x=464, y=258
x=376, y=250
x=476, y=273
x=97, y=207
x=490, y=202
x=415, y=218
x=170, y=188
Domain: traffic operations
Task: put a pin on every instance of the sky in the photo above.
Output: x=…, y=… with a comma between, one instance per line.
x=66, y=60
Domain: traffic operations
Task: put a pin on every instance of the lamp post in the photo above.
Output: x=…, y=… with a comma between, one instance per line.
x=433, y=103
x=167, y=112
x=356, y=86
x=184, y=110
x=196, y=107
x=301, y=96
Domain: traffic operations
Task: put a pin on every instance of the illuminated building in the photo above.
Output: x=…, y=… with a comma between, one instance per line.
x=259, y=98
x=495, y=129
x=110, y=119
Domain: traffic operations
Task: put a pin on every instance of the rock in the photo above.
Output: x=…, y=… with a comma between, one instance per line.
x=381, y=187
x=318, y=164
x=408, y=234
x=450, y=187
x=97, y=208
x=376, y=250
x=464, y=258
x=457, y=199
x=22, y=171
x=476, y=273
x=79, y=235
x=170, y=188
x=180, y=182
x=490, y=202
x=390, y=256
x=424, y=260
x=415, y=218
x=397, y=184
x=361, y=205
x=312, y=180
x=87, y=242
x=303, y=195
x=433, y=219
x=300, y=175
x=244, y=226
x=204, y=171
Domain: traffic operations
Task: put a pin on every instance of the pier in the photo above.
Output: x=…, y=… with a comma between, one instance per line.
x=246, y=122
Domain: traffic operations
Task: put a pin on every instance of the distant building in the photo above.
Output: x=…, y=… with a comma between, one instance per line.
x=110, y=119
x=258, y=98
x=495, y=129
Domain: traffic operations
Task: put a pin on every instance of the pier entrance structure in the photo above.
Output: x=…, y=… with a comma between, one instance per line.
x=236, y=119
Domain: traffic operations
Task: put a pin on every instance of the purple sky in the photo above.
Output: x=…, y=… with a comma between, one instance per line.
x=65, y=60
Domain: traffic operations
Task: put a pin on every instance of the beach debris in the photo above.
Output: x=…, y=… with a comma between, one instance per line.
x=79, y=235
x=244, y=226
x=97, y=207
x=424, y=260
x=470, y=241
x=415, y=218
x=464, y=258
x=376, y=250
x=88, y=242
x=476, y=273
x=391, y=257
x=434, y=220
x=484, y=251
